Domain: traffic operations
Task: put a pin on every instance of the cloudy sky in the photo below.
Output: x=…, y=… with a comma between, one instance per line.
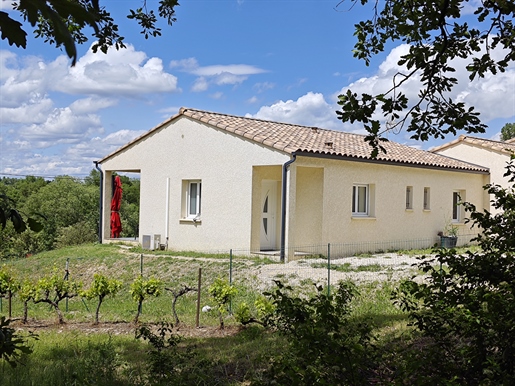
x=279, y=60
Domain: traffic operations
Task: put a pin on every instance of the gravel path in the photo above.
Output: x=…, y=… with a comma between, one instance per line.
x=376, y=268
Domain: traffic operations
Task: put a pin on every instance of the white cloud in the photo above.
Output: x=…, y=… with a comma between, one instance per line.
x=61, y=126
x=124, y=72
x=38, y=112
x=492, y=95
x=7, y=4
x=309, y=110
x=215, y=74
x=201, y=84
x=262, y=87
x=217, y=95
x=34, y=110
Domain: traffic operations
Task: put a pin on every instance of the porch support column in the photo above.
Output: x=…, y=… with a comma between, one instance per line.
x=107, y=195
x=287, y=192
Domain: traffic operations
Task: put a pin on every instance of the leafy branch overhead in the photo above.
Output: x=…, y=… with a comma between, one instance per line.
x=440, y=34
x=9, y=213
x=63, y=23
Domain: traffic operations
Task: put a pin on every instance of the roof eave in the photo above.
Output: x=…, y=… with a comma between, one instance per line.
x=306, y=153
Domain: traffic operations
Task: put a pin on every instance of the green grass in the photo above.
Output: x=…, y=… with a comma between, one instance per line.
x=348, y=267
x=65, y=355
x=74, y=358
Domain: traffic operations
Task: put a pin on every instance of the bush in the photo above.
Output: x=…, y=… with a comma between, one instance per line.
x=76, y=234
x=468, y=308
x=325, y=347
x=12, y=345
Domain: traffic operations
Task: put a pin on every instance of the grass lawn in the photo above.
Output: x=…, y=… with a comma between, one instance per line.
x=79, y=353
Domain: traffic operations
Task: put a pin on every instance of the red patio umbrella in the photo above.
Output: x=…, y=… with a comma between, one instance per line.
x=116, y=202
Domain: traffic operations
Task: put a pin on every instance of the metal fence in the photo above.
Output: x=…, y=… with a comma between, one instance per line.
x=329, y=263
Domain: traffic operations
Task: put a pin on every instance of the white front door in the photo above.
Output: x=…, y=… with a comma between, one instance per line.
x=268, y=214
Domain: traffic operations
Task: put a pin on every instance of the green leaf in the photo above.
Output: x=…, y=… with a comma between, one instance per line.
x=12, y=31
x=34, y=225
x=17, y=220
x=3, y=218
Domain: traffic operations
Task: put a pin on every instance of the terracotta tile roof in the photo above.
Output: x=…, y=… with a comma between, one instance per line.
x=502, y=147
x=291, y=138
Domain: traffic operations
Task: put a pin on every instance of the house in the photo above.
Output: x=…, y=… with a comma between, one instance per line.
x=489, y=153
x=213, y=181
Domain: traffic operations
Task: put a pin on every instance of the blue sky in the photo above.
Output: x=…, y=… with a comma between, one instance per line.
x=278, y=60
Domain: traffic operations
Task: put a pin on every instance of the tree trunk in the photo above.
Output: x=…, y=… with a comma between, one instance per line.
x=136, y=319
x=25, y=311
x=100, y=299
x=60, y=316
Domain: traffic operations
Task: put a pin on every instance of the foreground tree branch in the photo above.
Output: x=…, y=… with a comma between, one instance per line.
x=438, y=34
x=64, y=23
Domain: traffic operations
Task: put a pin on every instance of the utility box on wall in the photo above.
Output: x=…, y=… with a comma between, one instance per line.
x=151, y=242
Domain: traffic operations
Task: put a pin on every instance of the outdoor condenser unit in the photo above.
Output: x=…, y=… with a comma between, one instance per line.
x=151, y=242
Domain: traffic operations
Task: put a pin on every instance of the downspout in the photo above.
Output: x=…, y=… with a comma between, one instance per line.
x=101, y=203
x=283, y=205
x=167, y=209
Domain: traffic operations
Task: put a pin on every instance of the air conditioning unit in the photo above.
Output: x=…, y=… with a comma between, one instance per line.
x=151, y=242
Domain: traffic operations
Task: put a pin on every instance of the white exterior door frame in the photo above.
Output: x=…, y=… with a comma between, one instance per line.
x=268, y=209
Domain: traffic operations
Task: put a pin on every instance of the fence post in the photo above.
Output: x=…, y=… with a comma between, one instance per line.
x=328, y=269
x=66, y=274
x=230, y=279
x=141, y=264
x=197, y=323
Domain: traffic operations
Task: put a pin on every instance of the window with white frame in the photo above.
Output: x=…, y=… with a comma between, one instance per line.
x=193, y=198
x=457, y=197
x=409, y=197
x=427, y=198
x=360, y=200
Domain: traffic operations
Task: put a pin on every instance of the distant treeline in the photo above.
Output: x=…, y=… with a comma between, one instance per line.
x=68, y=209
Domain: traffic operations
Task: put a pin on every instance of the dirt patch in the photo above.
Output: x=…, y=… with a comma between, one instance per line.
x=121, y=328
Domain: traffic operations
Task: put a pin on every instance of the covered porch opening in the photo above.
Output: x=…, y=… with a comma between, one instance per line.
x=129, y=207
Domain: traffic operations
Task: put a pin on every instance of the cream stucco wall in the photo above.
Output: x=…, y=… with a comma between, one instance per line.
x=319, y=192
x=389, y=220
x=188, y=150
x=493, y=160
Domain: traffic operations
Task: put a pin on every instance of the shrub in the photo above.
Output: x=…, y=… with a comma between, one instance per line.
x=324, y=346
x=222, y=293
x=468, y=309
x=79, y=233
x=12, y=345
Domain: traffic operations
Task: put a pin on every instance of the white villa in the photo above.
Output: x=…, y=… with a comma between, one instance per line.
x=213, y=181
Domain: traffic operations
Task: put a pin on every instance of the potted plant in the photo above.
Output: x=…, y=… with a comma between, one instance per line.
x=449, y=237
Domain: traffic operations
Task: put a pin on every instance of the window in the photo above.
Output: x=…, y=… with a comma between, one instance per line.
x=193, y=198
x=427, y=197
x=409, y=197
x=456, y=215
x=360, y=196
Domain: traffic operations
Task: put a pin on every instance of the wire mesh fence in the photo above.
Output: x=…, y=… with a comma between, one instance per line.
x=253, y=272
x=326, y=264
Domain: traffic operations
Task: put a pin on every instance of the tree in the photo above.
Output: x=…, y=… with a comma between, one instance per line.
x=53, y=289
x=100, y=288
x=65, y=202
x=141, y=289
x=508, y=131
x=63, y=23
x=468, y=306
x=438, y=35
x=222, y=293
